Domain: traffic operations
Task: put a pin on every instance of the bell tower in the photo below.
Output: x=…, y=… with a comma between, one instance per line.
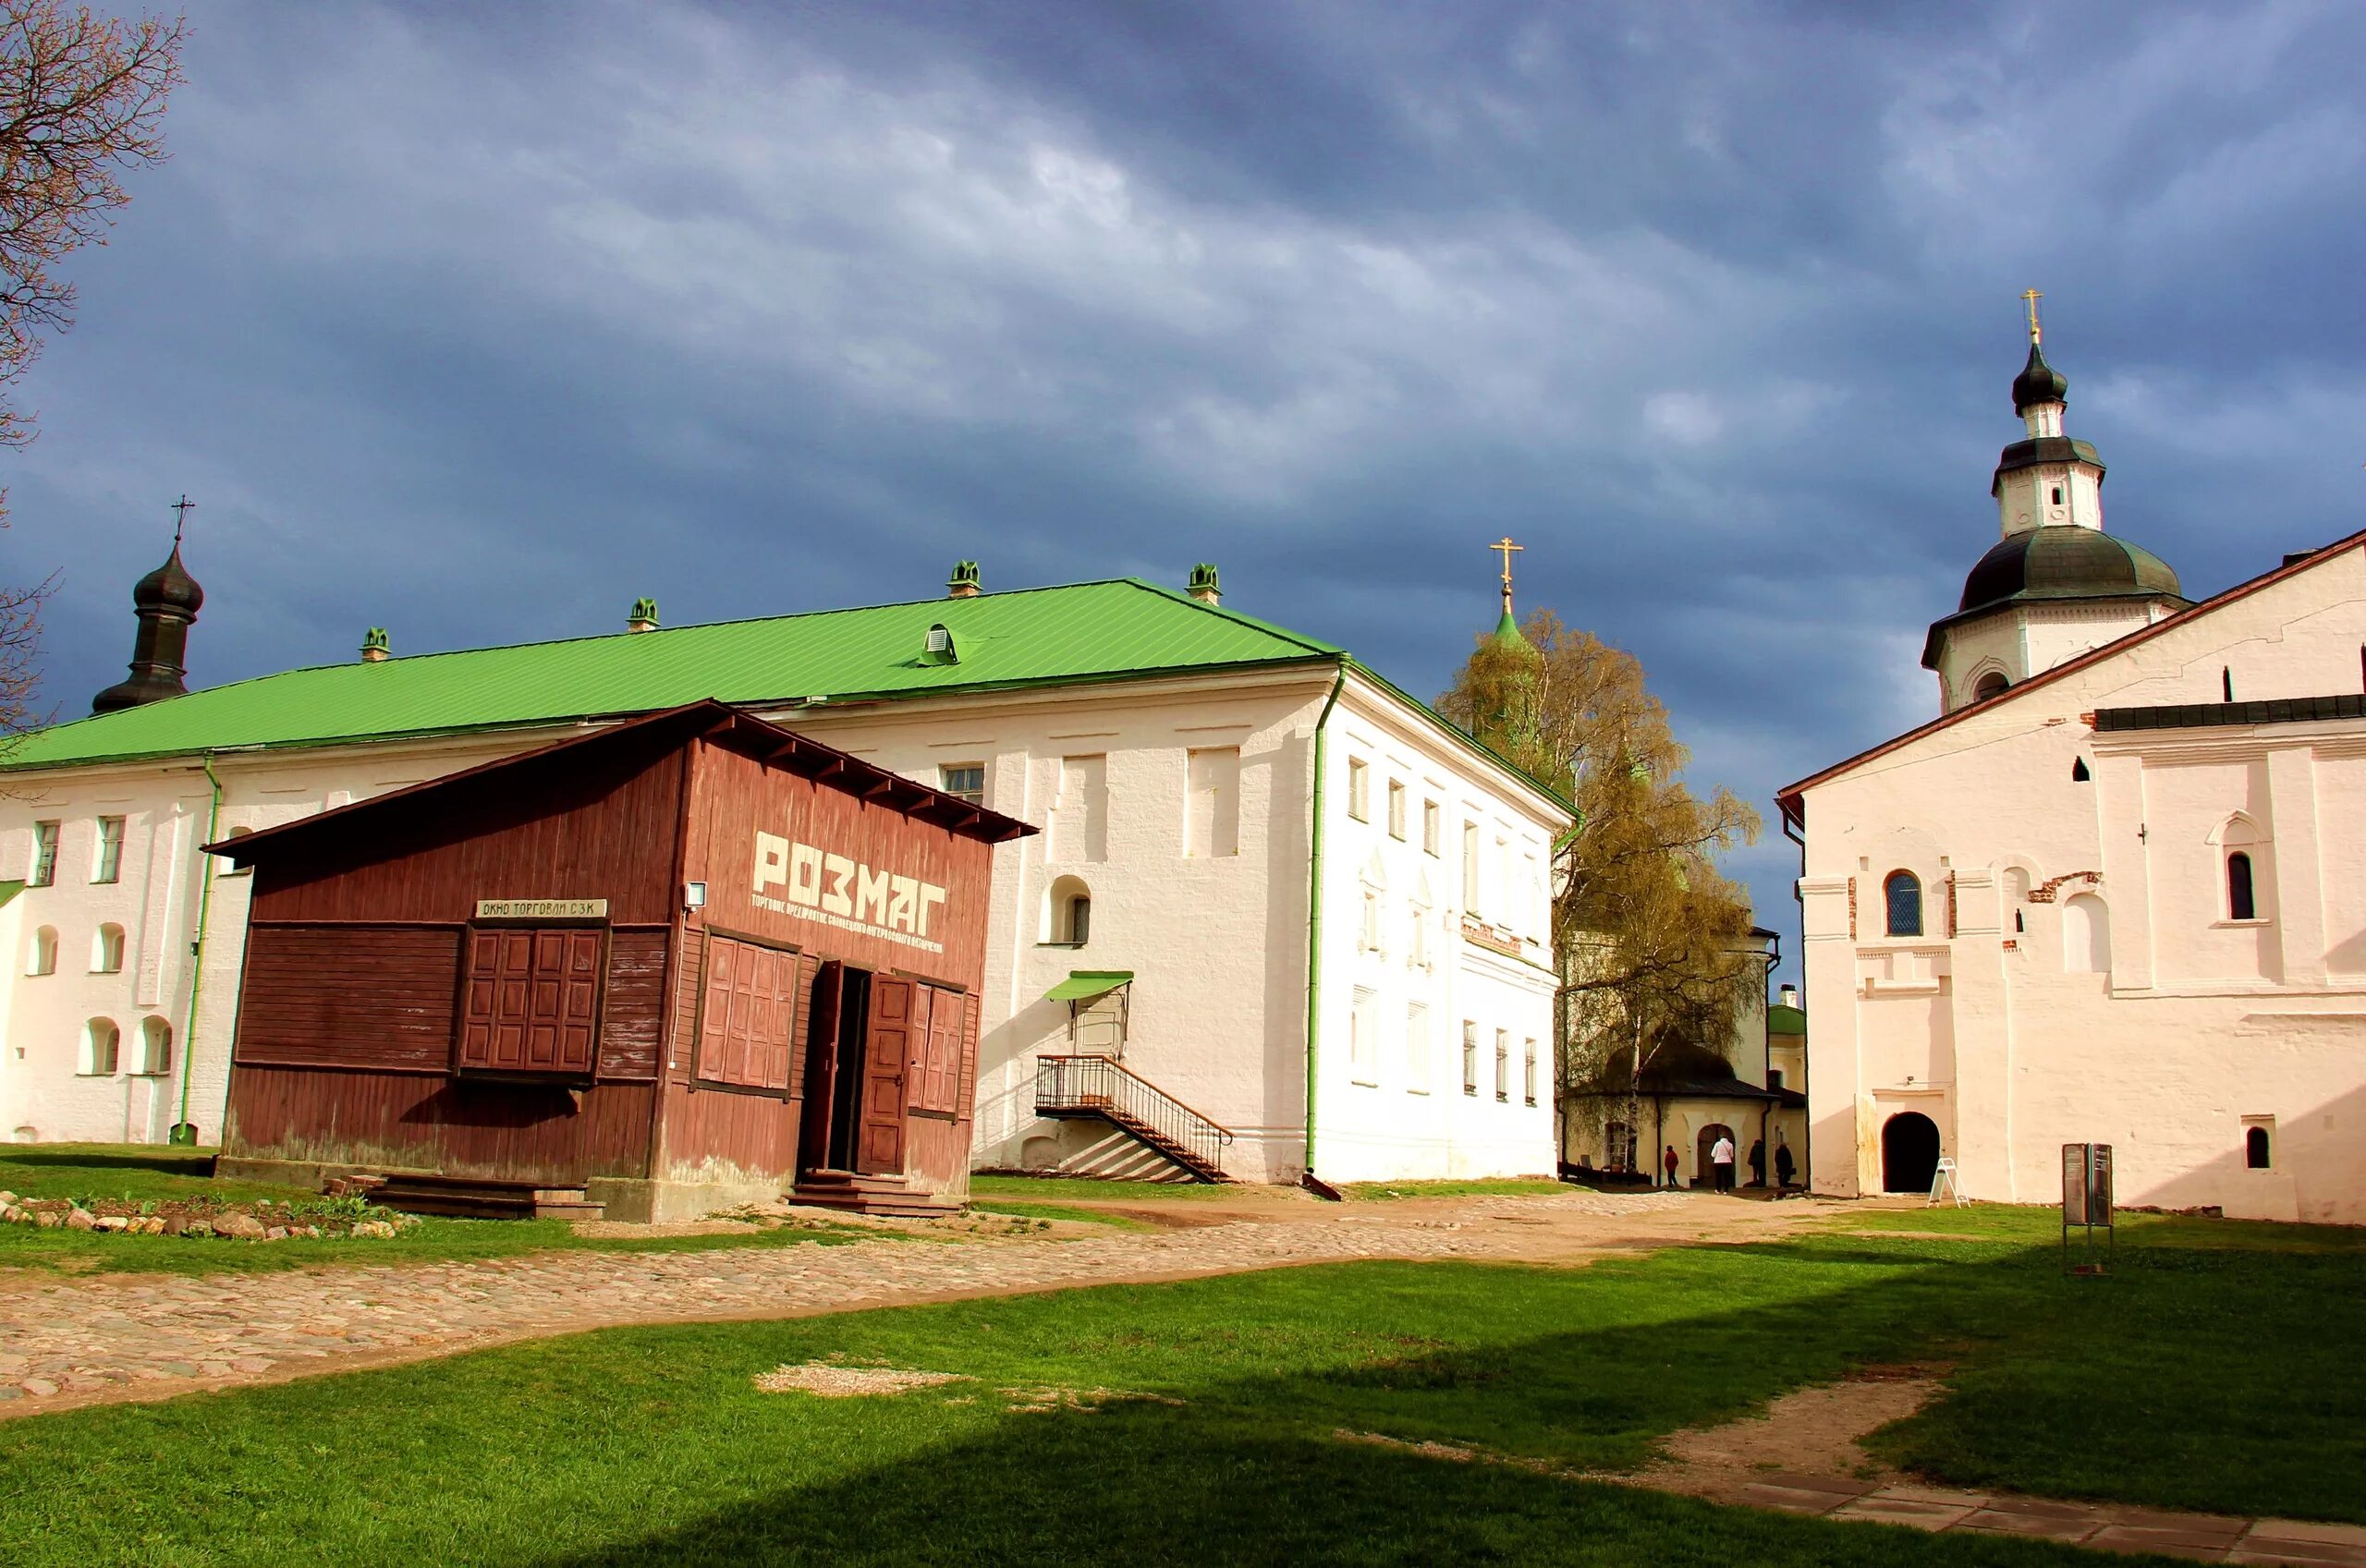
x=2055, y=585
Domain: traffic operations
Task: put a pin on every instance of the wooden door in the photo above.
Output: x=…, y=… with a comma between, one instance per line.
x=821, y=1066
x=887, y=1050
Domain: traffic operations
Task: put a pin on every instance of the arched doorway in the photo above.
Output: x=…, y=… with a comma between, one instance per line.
x=1705, y=1171
x=1909, y=1152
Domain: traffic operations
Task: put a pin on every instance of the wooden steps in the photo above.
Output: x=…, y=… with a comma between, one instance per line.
x=887, y=1196
x=482, y=1198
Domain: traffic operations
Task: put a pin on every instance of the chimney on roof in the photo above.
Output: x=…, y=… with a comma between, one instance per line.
x=1204, y=584
x=1790, y=995
x=963, y=584
x=374, y=647
x=643, y=617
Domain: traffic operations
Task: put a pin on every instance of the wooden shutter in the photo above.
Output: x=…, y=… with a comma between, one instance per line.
x=965, y=1098
x=747, y=1017
x=936, y=1072
x=886, y=1054
x=531, y=1002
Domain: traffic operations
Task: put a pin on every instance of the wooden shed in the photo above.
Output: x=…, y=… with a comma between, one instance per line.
x=674, y=964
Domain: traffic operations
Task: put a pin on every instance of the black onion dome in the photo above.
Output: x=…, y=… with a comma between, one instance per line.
x=2038, y=383
x=2059, y=561
x=169, y=587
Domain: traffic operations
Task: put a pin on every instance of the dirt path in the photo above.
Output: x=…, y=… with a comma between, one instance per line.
x=68, y=1342
x=1805, y=1455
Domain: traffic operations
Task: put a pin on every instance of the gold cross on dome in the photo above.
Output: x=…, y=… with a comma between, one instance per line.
x=1504, y=547
x=2037, y=334
x=180, y=510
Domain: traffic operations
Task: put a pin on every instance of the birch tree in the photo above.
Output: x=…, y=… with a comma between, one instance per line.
x=1652, y=939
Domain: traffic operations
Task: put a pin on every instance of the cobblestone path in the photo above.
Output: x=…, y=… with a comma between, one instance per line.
x=130, y=1337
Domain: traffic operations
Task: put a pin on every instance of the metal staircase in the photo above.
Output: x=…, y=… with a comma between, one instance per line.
x=1072, y=1087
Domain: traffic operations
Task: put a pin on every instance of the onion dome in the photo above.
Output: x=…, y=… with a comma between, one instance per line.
x=2063, y=561
x=2038, y=383
x=169, y=587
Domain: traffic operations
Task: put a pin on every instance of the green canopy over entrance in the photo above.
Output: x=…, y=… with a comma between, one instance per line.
x=1084, y=985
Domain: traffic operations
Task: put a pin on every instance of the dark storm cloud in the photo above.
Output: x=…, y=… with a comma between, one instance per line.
x=478, y=323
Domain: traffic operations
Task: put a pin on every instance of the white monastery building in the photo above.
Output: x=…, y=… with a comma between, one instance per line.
x=2117, y=891
x=1280, y=914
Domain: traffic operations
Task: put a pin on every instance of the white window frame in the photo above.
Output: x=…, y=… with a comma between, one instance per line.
x=945, y=782
x=106, y=858
x=42, y=872
x=1360, y=789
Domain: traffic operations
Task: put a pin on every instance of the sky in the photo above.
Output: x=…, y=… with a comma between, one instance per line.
x=478, y=324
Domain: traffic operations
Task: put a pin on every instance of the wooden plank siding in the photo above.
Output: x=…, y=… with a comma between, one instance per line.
x=583, y=823
x=461, y=1126
x=365, y=958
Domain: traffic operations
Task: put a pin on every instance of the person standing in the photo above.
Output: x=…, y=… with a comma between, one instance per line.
x=1721, y=1161
x=1758, y=1163
x=1784, y=1164
x=1668, y=1162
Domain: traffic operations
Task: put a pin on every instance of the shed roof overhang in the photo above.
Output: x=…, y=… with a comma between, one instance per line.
x=1084, y=985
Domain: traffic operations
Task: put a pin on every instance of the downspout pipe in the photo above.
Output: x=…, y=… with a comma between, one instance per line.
x=1314, y=916
x=184, y=1131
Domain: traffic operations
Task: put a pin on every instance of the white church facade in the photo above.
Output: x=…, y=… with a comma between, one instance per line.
x=1279, y=893
x=2116, y=892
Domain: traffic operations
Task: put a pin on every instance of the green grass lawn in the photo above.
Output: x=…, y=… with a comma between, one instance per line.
x=2207, y=1371
x=152, y=1172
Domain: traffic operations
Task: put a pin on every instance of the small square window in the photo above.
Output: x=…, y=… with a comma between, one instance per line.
x=964, y=781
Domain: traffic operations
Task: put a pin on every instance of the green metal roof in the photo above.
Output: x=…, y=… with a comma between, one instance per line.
x=1781, y=1020
x=1084, y=985
x=9, y=889
x=1062, y=635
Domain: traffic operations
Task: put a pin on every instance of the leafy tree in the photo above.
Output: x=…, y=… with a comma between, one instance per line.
x=1653, y=940
x=81, y=105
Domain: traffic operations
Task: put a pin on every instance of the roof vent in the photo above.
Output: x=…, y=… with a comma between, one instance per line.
x=643, y=617
x=1204, y=584
x=938, y=649
x=964, y=581
x=374, y=647
x=1790, y=995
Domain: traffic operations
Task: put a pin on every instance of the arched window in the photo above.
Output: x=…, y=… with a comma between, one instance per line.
x=1992, y=683
x=1068, y=915
x=2078, y=773
x=1902, y=898
x=101, y=1042
x=44, y=955
x=2256, y=1154
x=229, y=869
x=2086, y=935
x=2241, y=903
x=106, y=951
x=155, y=1047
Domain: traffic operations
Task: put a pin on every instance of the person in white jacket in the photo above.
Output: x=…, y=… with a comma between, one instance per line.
x=1721, y=1158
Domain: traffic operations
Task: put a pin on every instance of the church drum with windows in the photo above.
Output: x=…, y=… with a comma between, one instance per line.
x=672, y=965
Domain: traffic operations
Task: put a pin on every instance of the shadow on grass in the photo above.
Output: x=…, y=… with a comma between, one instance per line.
x=652, y=1446
x=71, y=1157
x=1132, y=1486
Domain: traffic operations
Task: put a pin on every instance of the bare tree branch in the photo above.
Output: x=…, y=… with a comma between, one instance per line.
x=81, y=103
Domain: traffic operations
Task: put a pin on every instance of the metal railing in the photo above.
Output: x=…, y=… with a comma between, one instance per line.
x=1100, y=1086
